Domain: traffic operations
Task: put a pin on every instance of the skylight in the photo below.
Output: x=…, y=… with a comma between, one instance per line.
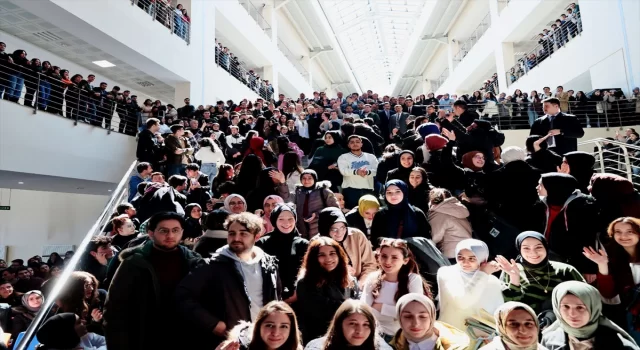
x=374, y=35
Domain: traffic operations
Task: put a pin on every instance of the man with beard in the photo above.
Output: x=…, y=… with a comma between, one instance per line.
x=140, y=304
x=251, y=280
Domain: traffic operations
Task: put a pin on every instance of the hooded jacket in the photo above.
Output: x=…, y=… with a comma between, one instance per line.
x=288, y=248
x=135, y=310
x=319, y=197
x=615, y=197
x=449, y=225
x=204, y=301
x=581, y=167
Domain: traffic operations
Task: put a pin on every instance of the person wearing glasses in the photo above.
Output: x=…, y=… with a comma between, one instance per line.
x=140, y=304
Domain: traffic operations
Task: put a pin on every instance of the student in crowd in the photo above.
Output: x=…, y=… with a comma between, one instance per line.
x=323, y=285
x=325, y=157
x=564, y=129
x=540, y=156
x=270, y=181
x=570, y=221
x=531, y=277
x=580, y=323
x=23, y=315
x=361, y=216
x=579, y=164
x=468, y=286
x=123, y=232
x=361, y=262
x=8, y=295
x=269, y=203
x=193, y=223
x=26, y=281
x=145, y=282
x=310, y=197
x=419, y=328
x=615, y=197
x=292, y=170
x=358, y=170
x=215, y=235
x=275, y=327
x=235, y=204
x=397, y=276
x=251, y=280
x=286, y=245
x=517, y=326
x=99, y=253
x=405, y=165
x=211, y=157
x=353, y=326
x=448, y=221
x=419, y=188
x=398, y=219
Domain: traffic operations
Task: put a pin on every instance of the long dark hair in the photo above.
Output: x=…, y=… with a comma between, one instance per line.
x=315, y=275
x=294, y=342
x=619, y=256
x=206, y=142
x=283, y=144
x=291, y=163
x=73, y=298
x=403, y=275
x=335, y=339
x=249, y=172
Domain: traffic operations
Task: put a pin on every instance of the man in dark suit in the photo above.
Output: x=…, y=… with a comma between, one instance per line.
x=385, y=116
x=565, y=129
x=398, y=120
x=410, y=108
x=148, y=149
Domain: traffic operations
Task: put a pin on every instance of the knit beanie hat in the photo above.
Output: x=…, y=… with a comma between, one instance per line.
x=435, y=142
x=59, y=332
x=427, y=129
x=512, y=153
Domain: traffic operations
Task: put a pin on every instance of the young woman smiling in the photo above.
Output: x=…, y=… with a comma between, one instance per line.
x=517, y=326
x=580, y=323
x=420, y=330
x=323, y=285
x=353, y=326
x=275, y=328
x=398, y=275
x=531, y=277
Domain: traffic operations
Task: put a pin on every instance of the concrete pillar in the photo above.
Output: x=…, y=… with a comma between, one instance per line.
x=494, y=10
x=505, y=59
x=270, y=73
x=270, y=15
x=200, y=88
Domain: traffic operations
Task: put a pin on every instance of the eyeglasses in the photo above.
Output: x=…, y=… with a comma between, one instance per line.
x=164, y=231
x=338, y=229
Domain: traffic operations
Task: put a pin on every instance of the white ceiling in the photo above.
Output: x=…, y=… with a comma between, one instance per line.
x=374, y=35
x=25, y=25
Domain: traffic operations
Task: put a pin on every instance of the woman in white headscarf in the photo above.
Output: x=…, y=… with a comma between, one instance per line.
x=580, y=324
x=517, y=326
x=235, y=204
x=468, y=286
x=419, y=329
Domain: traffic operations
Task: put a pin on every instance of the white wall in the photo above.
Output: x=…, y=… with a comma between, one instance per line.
x=50, y=145
x=37, y=219
x=229, y=87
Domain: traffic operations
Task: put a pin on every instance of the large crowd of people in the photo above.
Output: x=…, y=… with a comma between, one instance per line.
x=327, y=223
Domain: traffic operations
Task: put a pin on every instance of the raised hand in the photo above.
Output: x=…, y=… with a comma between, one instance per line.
x=599, y=257
x=277, y=175
x=510, y=268
x=449, y=134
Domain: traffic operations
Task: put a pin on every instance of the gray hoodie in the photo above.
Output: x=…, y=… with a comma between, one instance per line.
x=252, y=274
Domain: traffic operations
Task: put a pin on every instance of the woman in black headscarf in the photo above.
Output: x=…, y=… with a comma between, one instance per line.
x=311, y=196
x=193, y=223
x=531, y=277
x=405, y=165
x=579, y=164
x=570, y=219
x=285, y=243
x=540, y=156
x=398, y=219
x=247, y=177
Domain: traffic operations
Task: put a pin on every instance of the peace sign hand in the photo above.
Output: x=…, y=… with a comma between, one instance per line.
x=510, y=268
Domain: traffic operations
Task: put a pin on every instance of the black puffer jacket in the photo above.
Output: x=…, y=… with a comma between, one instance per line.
x=483, y=138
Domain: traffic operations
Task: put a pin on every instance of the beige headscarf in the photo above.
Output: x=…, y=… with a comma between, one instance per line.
x=501, y=315
x=422, y=299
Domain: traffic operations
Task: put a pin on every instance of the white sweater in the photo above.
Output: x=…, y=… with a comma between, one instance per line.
x=349, y=163
x=388, y=319
x=206, y=156
x=460, y=300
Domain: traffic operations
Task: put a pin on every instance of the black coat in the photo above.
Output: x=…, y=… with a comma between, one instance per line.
x=318, y=305
x=570, y=129
x=355, y=220
x=135, y=312
x=148, y=149
x=379, y=226
x=204, y=300
x=289, y=249
x=483, y=138
x=545, y=160
x=605, y=338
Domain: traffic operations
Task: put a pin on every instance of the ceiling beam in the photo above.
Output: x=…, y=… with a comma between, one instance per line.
x=281, y=4
x=443, y=39
x=298, y=29
x=317, y=52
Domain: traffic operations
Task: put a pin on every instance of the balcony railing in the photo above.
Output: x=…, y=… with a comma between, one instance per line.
x=437, y=83
x=257, y=16
x=172, y=18
x=292, y=58
x=616, y=157
x=58, y=93
x=545, y=49
x=466, y=45
x=243, y=74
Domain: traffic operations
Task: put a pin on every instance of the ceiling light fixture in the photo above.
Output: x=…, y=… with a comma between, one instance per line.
x=20, y=183
x=109, y=190
x=104, y=64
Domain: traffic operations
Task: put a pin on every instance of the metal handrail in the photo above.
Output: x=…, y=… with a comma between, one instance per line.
x=474, y=37
x=255, y=14
x=625, y=147
x=292, y=58
x=241, y=72
x=71, y=267
x=164, y=13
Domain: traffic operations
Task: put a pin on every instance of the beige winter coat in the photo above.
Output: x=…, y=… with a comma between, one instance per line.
x=449, y=225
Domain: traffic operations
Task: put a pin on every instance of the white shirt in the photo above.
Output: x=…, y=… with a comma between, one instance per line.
x=349, y=163
x=303, y=128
